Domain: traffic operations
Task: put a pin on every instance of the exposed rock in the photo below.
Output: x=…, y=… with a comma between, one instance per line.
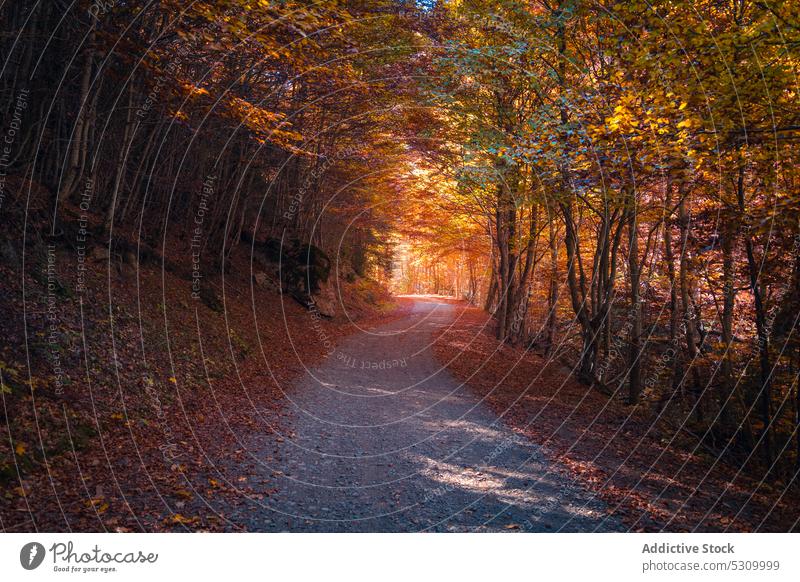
x=99, y=253
x=303, y=271
x=271, y=252
x=127, y=266
x=325, y=300
x=314, y=265
x=262, y=279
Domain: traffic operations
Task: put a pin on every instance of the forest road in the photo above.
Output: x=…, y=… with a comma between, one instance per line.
x=381, y=438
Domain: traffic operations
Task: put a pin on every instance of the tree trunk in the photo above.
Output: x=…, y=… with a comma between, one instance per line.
x=552, y=294
x=588, y=357
x=728, y=305
x=762, y=333
x=77, y=156
x=688, y=323
x=122, y=162
x=674, y=314
x=634, y=359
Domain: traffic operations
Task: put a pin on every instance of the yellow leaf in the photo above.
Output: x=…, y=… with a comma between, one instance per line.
x=178, y=518
x=20, y=449
x=183, y=493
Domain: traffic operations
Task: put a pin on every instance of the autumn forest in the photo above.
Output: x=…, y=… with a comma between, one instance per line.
x=587, y=213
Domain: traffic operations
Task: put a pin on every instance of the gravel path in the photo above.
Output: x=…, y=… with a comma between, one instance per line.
x=383, y=439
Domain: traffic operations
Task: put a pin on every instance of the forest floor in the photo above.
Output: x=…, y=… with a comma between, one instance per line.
x=649, y=477
x=380, y=438
x=148, y=410
x=137, y=391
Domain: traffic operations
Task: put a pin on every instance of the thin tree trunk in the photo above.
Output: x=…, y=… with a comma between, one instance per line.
x=552, y=294
x=728, y=305
x=634, y=360
x=122, y=162
x=77, y=155
x=762, y=332
x=688, y=325
x=674, y=314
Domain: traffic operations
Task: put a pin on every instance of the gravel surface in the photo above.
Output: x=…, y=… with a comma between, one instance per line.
x=381, y=438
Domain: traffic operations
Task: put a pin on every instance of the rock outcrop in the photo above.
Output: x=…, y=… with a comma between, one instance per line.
x=303, y=270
